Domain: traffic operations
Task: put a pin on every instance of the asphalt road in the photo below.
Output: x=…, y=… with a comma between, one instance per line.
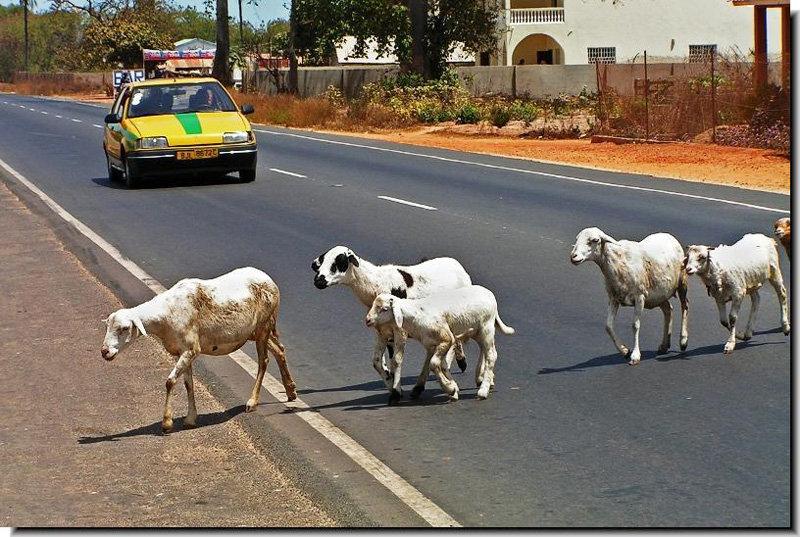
x=571, y=436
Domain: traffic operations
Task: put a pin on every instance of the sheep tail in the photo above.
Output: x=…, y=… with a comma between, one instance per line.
x=502, y=326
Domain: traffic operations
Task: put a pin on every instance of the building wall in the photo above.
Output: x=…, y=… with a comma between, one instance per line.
x=665, y=28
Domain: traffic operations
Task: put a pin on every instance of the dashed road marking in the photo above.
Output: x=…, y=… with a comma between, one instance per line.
x=413, y=498
x=411, y=203
x=59, y=117
x=96, y=125
x=77, y=120
x=293, y=174
x=45, y=113
x=529, y=172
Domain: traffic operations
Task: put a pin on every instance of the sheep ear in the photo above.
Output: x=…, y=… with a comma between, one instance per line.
x=398, y=315
x=353, y=259
x=608, y=238
x=139, y=326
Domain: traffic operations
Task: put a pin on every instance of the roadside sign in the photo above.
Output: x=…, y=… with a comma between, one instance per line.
x=134, y=75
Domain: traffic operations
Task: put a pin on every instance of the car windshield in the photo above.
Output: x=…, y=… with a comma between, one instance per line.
x=179, y=99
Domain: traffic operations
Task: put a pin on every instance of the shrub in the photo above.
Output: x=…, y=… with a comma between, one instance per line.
x=499, y=115
x=468, y=113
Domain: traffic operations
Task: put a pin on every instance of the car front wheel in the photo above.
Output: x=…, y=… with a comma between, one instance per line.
x=131, y=179
x=114, y=175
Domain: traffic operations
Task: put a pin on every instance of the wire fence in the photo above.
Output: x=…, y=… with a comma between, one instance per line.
x=711, y=98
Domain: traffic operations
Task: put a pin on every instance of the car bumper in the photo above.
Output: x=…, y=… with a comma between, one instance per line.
x=165, y=162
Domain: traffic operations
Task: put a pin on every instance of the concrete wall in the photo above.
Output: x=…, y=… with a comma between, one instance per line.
x=520, y=80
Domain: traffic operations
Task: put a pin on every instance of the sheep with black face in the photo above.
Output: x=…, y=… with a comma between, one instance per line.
x=341, y=266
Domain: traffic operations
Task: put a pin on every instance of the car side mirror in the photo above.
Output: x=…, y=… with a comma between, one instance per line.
x=111, y=118
x=247, y=109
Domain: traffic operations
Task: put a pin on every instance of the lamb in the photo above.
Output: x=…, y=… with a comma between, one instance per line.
x=214, y=317
x=783, y=231
x=340, y=265
x=643, y=274
x=469, y=311
x=731, y=272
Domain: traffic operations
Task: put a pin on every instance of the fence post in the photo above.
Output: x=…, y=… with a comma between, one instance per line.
x=713, y=99
x=646, y=100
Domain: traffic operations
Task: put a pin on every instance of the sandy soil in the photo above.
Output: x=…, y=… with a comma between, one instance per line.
x=80, y=438
x=743, y=167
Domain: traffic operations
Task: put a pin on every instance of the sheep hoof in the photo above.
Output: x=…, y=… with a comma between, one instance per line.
x=663, y=349
x=454, y=396
x=291, y=394
x=725, y=324
x=624, y=351
x=786, y=329
x=462, y=364
x=482, y=395
x=684, y=345
x=417, y=391
x=166, y=426
x=728, y=349
x=251, y=406
x=745, y=337
x=189, y=424
x=395, y=396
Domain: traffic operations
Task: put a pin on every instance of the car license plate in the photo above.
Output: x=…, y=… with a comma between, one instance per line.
x=198, y=153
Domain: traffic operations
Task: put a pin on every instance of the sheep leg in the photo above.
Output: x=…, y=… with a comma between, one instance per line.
x=263, y=360
x=490, y=357
x=377, y=359
x=276, y=347
x=736, y=303
x=395, y=372
x=438, y=360
x=479, y=369
x=458, y=352
x=723, y=314
x=755, y=300
x=683, y=292
x=776, y=279
x=183, y=362
x=666, y=339
x=419, y=387
x=613, y=308
x=638, y=307
x=191, y=415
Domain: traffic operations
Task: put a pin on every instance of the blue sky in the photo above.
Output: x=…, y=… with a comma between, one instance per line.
x=265, y=11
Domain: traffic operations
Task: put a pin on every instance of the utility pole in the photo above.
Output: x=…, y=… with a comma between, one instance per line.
x=292, y=79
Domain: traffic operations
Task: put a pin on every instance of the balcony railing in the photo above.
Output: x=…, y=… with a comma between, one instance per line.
x=538, y=15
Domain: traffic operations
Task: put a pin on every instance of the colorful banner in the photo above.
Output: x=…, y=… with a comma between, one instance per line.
x=162, y=55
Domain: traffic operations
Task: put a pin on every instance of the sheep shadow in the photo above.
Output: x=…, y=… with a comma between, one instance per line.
x=147, y=183
x=154, y=429
x=617, y=359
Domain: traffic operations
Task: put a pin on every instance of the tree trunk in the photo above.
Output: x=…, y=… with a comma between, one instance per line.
x=221, y=70
x=418, y=12
x=292, y=79
x=25, y=25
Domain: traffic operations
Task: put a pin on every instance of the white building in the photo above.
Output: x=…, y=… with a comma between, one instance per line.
x=583, y=31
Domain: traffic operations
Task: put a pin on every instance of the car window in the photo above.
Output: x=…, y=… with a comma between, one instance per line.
x=117, y=106
x=179, y=99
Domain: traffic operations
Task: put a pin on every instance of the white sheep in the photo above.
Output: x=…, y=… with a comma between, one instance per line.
x=643, y=274
x=732, y=272
x=340, y=266
x=214, y=317
x=433, y=321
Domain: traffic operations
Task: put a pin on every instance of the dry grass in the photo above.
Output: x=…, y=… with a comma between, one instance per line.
x=290, y=111
x=53, y=86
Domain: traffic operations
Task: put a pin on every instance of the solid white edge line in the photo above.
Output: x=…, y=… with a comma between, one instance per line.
x=530, y=172
x=411, y=203
x=276, y=170
x=414, y=499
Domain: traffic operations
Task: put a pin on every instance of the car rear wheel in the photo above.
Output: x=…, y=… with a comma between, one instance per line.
x=247, y=176
x=131, y=179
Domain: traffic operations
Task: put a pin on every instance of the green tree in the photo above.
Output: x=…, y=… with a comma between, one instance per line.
x=120, y=41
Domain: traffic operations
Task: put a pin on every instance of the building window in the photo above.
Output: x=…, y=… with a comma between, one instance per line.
x=701, y=53
x=602, y=54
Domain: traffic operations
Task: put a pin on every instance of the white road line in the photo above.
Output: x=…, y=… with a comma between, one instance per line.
x=77, y=120
x=32, y=109
x=45, y=113
x=96, y=125
x=414, y=499
x=59, y=117
x=411, y=203
x=530, y=172
x=276, y=170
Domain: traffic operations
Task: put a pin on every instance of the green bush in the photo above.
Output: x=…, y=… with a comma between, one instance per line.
x=526, y=111
x=468, y=113
x=499, y=115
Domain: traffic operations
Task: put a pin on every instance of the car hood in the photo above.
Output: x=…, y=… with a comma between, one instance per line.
x=191, y=128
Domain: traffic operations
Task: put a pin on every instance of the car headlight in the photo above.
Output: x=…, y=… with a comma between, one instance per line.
x=235, y=137
x=151, y=142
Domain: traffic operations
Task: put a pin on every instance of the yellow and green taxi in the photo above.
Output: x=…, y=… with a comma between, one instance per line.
x=163, y=127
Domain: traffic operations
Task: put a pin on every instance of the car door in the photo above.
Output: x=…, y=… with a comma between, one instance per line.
x=113, y=131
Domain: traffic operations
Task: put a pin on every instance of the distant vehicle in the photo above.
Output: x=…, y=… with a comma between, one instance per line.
x=164, y=127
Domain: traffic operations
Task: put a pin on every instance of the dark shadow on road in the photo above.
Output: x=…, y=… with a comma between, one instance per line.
x=154, y=429
x=177, y=181
x=617, y=359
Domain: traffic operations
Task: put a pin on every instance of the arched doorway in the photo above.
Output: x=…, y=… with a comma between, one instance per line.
x=538, y=49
